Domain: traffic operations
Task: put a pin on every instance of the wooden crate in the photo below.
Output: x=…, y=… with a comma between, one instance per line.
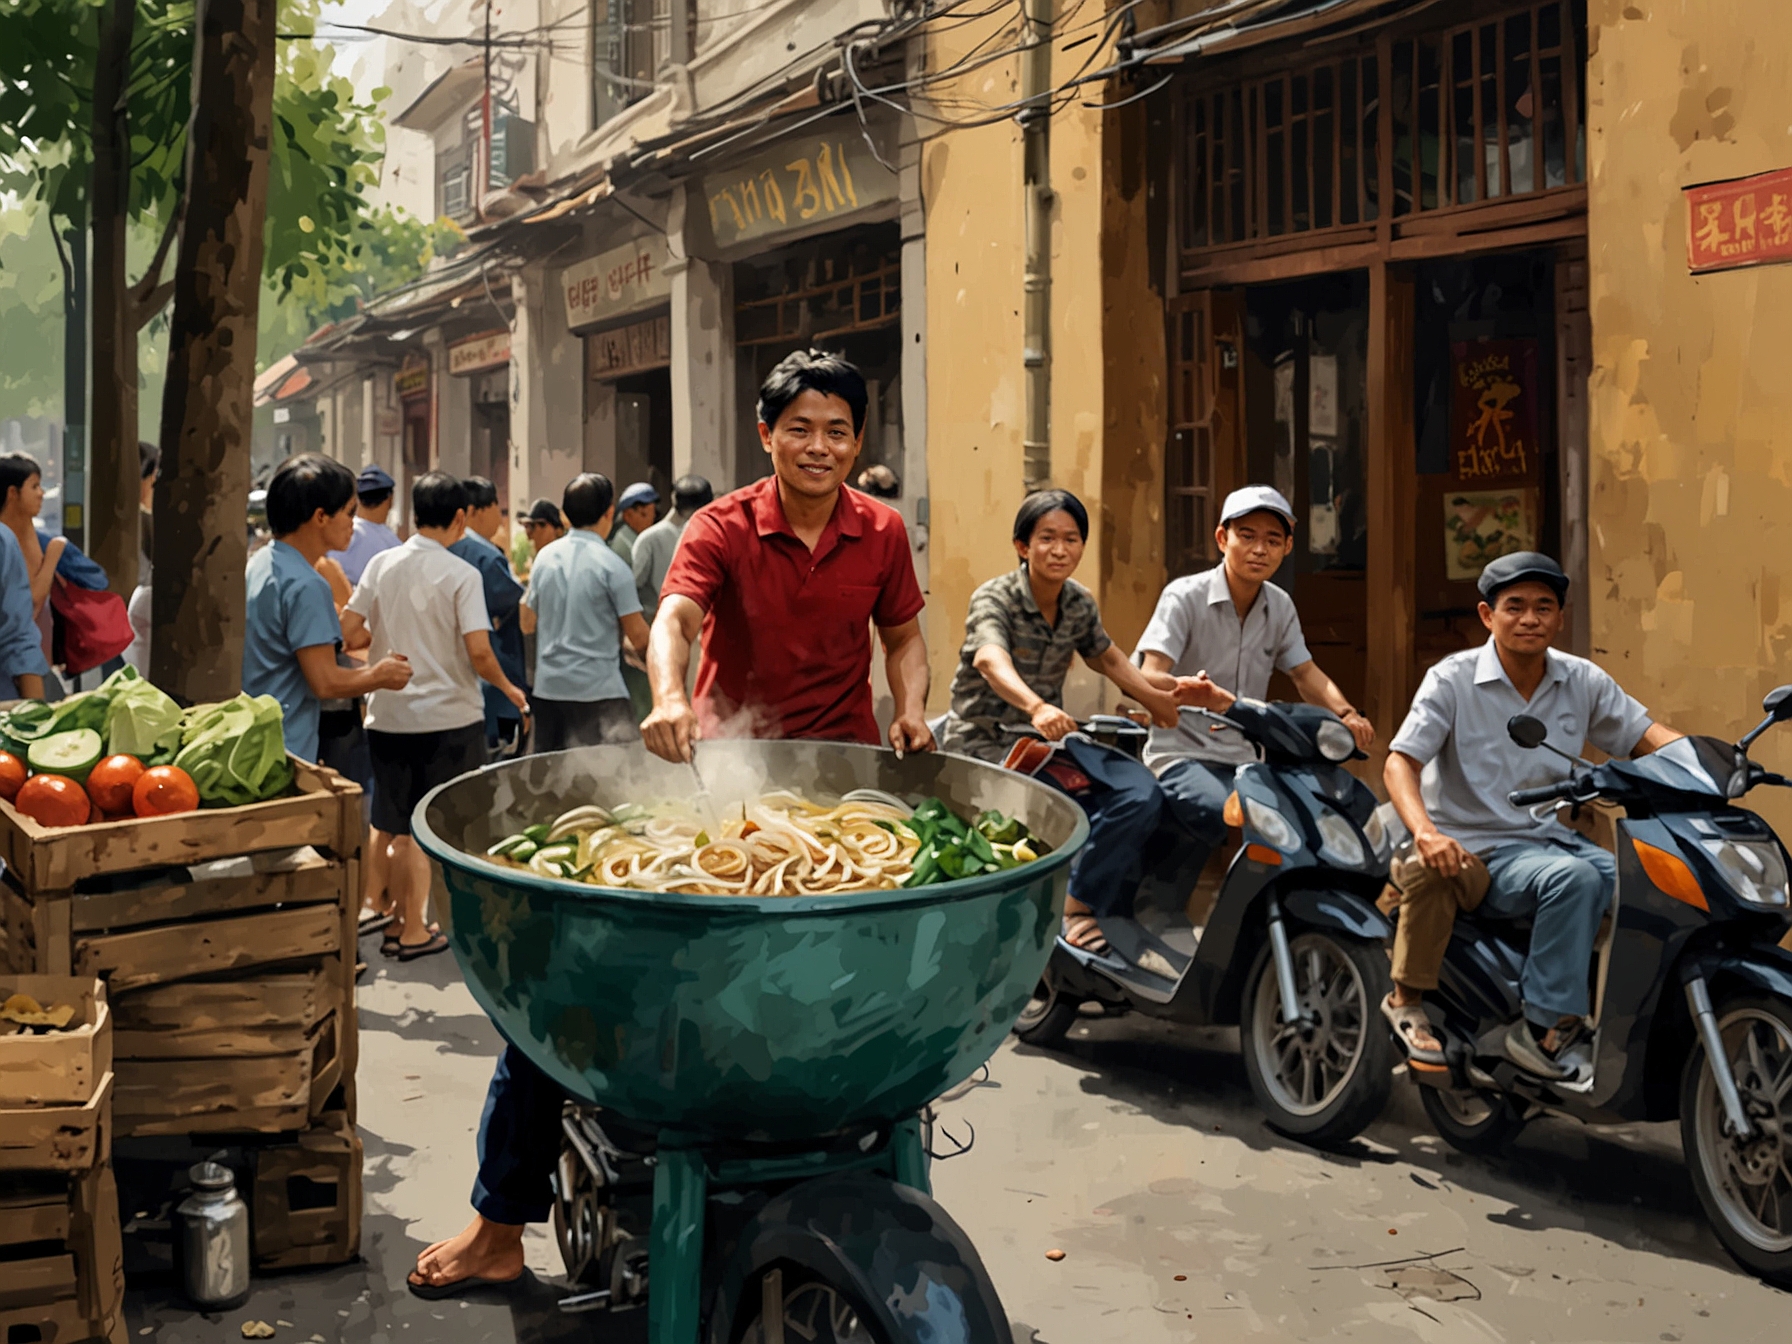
x=227, y=945
x=62, y=1067
x=58, y=1138
x=61, y=1259
x=306, y=1203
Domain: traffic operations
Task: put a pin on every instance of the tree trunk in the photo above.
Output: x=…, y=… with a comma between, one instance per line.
x=112, y=480
x=74, y=377
x=201, y=539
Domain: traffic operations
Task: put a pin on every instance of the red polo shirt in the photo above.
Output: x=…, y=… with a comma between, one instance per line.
x=786, y=630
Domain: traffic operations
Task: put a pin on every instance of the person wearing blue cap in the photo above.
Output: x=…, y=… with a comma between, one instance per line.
x=373, y=498
x=634, y=515
x=1230, y=628
x=1471, y=848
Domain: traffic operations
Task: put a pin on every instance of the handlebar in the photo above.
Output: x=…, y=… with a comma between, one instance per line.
x=1543, y=794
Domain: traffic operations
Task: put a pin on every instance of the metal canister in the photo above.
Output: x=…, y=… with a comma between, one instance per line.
x=214, y=1239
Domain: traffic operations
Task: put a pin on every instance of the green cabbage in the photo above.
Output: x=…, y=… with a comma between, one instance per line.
x=141, y=721
x=235, y=751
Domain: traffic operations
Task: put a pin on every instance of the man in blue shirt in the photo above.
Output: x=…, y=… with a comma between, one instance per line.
x=503, y=594
x=22, y=659
x=292, y=632
x=582, y=602
x=373, y=497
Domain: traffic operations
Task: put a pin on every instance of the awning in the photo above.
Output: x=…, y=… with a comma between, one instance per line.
x=283, y=379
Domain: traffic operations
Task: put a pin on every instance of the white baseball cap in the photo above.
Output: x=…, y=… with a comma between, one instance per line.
x=1257, y=499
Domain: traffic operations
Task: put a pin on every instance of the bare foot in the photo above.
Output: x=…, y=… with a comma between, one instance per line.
x=483, y=1250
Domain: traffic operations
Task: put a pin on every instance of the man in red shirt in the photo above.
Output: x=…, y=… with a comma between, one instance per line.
x=784, y=580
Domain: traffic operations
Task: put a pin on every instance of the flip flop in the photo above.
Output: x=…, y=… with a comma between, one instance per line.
x=389, y=945
x=1084, y=924
x=372, y=921
x=1406, y=1021
x=439, y=1292
x=437, y=943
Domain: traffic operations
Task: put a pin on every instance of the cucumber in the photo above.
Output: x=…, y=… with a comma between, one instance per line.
x=73, y=753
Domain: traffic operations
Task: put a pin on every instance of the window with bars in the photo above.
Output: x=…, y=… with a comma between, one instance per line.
x=631, y=43
x=1480, y=111
x=1489, y=109
x=828, y=303
x=1290, y=153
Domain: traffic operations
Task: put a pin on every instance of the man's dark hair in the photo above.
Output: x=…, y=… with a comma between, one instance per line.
x=481, y=493
x=812, y=371
x=690, y=493
x=372, y=499
x=15, y=470
x=1035, y=506
x=149, y=459
x=435, y=499
x=588, y=497
x=304, y=484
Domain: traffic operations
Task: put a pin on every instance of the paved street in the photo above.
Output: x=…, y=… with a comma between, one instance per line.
x=1136, y=1152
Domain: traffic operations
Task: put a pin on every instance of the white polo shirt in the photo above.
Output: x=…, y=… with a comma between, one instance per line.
x=1458, y=719
x=1197, y=627
x=422, y=602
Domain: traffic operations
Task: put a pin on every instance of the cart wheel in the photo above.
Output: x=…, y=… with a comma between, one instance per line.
x=1047, y=1018
x=1473, y=1122
x=1745, y=1186
x=579, y=1219
x=1325, y=1078
x=796, y=1305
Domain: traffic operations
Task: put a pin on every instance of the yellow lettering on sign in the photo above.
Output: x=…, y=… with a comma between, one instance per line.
x=832, y=198
x=1742, y=216
x=1777, y=217
x=1711, y=230
x=749, y=199
x=806, y=198
x=774, y=196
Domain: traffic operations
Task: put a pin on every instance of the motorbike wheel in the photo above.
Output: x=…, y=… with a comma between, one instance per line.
x=1325, y=1083
x=1745, y=1188
x=1046, y=1019
x=1473, y=1122
x=579, y=1218
x=795, y=1304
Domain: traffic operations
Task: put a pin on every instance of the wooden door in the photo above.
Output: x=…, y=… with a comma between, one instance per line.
x=1205, y=455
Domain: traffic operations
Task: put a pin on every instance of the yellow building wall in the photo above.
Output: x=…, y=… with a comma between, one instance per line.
x=1106, y=431
x=1691, y=391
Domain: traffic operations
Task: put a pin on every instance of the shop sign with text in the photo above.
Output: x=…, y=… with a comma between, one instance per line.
x=616, y=283
x=792, y=186
x=630, y=349
x=1493, y=412
x=412, y=380
x=485, y=351
x=1744, y=222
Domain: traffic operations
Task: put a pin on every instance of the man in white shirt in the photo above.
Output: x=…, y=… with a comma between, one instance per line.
x=1232, y=627
x=654, y=548
x=421, y=600
x=373, y=501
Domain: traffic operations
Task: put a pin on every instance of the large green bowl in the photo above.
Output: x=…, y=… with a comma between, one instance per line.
x=765, y=1019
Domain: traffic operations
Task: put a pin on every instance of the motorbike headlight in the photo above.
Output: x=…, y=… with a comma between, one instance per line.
x=1340, y=840
x=1755, y=870
x=1271, y=825
x=1334, y=741
x=1375, y=831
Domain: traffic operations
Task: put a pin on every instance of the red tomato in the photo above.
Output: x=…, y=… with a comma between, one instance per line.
x=162, y=790
x=53, y=800
x=110, y=782
x=12, y=774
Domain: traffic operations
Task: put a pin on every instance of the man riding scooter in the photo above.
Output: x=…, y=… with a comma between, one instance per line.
x=1472, y=848
x=1232, y=625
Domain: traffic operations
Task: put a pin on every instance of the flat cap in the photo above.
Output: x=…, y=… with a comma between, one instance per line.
x=1522, y=567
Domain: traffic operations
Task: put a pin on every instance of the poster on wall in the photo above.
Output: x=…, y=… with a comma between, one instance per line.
x=1494, y=397
x=1482, y=525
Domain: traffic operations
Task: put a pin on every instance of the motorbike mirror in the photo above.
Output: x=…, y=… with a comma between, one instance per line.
x=1527, y=732
x=1778, y=703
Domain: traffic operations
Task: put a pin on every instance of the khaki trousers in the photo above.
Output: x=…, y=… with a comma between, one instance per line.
x=1428, y=903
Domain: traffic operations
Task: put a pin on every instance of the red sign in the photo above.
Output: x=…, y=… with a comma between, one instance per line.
x=1746, y=221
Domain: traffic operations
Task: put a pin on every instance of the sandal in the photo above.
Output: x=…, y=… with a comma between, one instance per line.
x=438, y=942
x=1083, y=932
x=1407, y=1021
x=389, y=945
x=372, y=921
x=441, y=1292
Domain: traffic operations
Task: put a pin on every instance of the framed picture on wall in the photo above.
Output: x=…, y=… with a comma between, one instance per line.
x=1482, y=525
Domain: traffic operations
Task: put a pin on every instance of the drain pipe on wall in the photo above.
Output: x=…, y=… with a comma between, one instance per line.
x=1036, y=146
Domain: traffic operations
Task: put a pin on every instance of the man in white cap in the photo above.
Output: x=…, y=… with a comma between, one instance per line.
x=1232, y=626
x=634, y=515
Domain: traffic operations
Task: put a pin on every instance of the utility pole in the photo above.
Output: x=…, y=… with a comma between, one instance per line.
x=484, y=176
x=1036, y=174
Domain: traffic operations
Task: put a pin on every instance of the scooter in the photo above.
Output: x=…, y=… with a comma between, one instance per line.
x=1292, y=949
x=1692, y=1012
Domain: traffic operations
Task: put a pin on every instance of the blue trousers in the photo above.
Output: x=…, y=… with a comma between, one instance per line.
x=1124, y=806
x=1195, y=795
x=1565, y=887
x=519, y=1142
